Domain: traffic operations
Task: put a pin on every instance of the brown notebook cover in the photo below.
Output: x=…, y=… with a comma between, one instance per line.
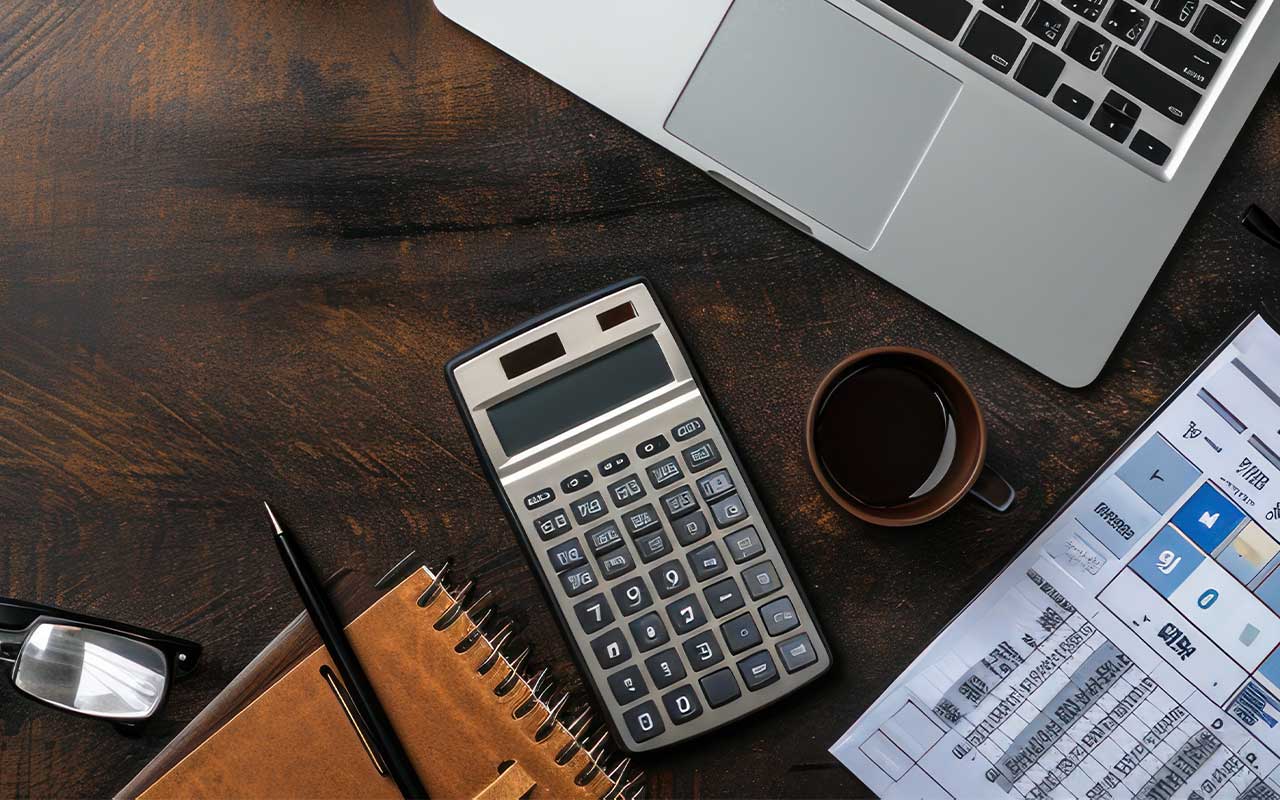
x=296, y=739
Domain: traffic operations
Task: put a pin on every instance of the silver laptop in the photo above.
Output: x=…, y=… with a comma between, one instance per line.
x=1023, y=166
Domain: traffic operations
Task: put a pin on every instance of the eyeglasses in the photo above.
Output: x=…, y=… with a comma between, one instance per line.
x=90, y=666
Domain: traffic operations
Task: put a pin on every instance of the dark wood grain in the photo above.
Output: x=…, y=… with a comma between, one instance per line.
x=239, y=241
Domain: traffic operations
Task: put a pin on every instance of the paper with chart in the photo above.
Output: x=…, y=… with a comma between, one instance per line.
x=1131, y=649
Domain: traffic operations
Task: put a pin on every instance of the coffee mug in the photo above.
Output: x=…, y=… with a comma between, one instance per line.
x=896, y=437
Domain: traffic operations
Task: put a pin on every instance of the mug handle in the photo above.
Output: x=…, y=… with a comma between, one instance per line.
x=993, y=490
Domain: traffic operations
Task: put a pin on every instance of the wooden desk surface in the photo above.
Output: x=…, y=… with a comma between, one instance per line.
x=239, y=241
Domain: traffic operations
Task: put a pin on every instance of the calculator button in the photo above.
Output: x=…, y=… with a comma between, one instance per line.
x=728, y=511
x=740, y=633
x=616, y=563
x=640, y=520
x=690, y=528
x=651, y=447
x=576, y=481
x=686, y=614
x=758, y=670
x=682, y=704
x=539, y=498
x=613, y=464
x=611, y=649
x=706, y=562
x=665, y=472
x=627, y=685
x=761, y=580
x=588, y=508
x=552, y=525
x=665, y=668
x=723, y=597
x=604, y=538
x=713, y=485
x=631, y=596
x=702, y=651
x=669, y=579
x=626, y=491
x=652, y=546
x=688, y=429
x=577, y=581
x=649, y=632
x=700, y=456
x=779, y=616
x=720, y=687
x=593, y=613
x=744, y=545
x=797, y=653
x=681, y=501
x=643, y=722
x=567, y=554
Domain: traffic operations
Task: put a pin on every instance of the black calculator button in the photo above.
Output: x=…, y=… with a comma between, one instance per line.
x=613, y=464
x=578, y=580
x=740, y=633
x=649, y=631
x=682, y=704
x=651, y=447
x=1150, y=148
x=723, y=597
x=728, y=511
x=686, y=614
x=703, y=651
x=611, y=649
x=690, y=528
x=641, y=520
x=626, y=491
x=679, y=502
x=643, y=722
x=576, y=481
x=627, y=685
x=567, y=555
x=665, y=668
x=797, y=653
x=1087, y=46
x=652, y=546
x=720, y=687
x=706, y=562
x=604, y=538
x=744, y=544
x=616, y=564
x=758, y=670
x=552, y=525
x=632, y=596
x=539, y=498
x=779, y=616
x=669, y=578
x=593, y=613
x=700, y=456
x=688, y=429
x=664, y=473
x=761, y=580
x=589, y=508
x=715, y=484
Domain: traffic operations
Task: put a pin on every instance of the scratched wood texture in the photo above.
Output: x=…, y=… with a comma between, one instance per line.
x=238, y=242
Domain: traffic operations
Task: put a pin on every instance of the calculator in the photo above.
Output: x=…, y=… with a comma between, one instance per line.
x=621, y=483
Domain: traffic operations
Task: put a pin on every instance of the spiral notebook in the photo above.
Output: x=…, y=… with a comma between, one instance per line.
x=473, y=726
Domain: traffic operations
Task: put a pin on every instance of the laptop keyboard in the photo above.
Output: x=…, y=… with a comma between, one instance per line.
x=1129, y=74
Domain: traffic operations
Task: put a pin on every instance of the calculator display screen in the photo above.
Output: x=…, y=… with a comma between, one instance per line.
x=581, y=394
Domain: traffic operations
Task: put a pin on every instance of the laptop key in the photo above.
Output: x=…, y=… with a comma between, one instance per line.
x=1009, y=9
x=943, y=17
x=1216, y=29
x=1179, y=12
x=1047, y=22
x=1040, y=70
x=1089, y=9
x=1073, y=102
x=1152, y=86
x=1150, y=148
x=993, y=43
x=1087, y=46
x=1181, y=56
x=1126, y=22
x=1241, y=7
x=1116, y=116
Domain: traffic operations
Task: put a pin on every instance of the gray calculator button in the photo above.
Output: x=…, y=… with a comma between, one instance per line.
x=632, y=596
x=578, y=580
x=552, y=525
x=686, y=614
x=728, y=511
x=611, y=649
x=566, y=555
x=665, y=668
x=651, y=447
x=701, y=455
x=576, y=481
x=652, y=546
x=665, y=472
x=616, y=563
x=682, y=704
x=779, y=616
x=589, y=508
x=723, y=597
x=1158, y=473
x=703, y=651
x=761, y=580
x=690, y=528
x=626, y=491
x=740, y=633
x=688, y=429
x=649, y=631
x=706, y=562
x=669, y=578
x=640, y=520
x=539, y=498
x=593, y=613
x=744, y=545
x=713, y=485
x=797, y=653
x=679, y=502
x=627, y=685
x=604, y=538
x=643, y=722
x=613, y=464
x=758, y=670
x=720, y=687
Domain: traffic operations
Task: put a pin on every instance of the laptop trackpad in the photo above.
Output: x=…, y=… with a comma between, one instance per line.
x=817, y=108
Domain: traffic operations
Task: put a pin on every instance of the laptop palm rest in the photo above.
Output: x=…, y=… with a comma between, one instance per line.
x=817, y=108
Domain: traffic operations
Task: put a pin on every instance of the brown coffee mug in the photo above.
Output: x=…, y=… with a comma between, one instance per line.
x=886, y=392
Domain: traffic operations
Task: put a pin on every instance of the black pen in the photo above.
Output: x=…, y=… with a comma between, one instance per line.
x=344, y=658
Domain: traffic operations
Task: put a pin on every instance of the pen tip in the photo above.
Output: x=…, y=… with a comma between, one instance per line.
x=271, y=514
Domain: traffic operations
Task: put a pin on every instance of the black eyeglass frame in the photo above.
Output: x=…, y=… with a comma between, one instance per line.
x=18, y=618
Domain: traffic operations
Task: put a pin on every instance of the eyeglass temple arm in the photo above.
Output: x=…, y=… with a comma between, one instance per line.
x=1260, y=224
